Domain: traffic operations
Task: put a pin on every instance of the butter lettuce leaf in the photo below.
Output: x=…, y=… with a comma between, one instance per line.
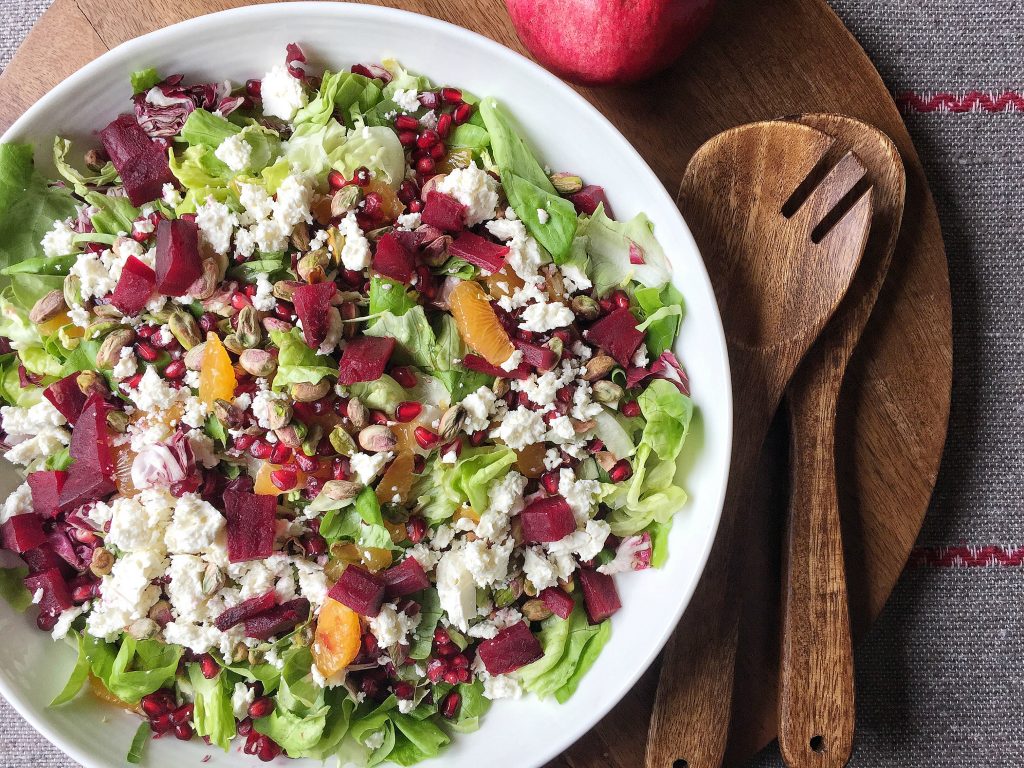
x=213, y=716
x=298, y=363
x=610, y=244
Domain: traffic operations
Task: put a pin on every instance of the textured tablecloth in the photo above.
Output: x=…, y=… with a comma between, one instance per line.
x=940, y=680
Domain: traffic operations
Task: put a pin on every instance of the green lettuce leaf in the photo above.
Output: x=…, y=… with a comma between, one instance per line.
x=204, y=128
x=144, y=79
x=368, y=722
x=214, y=716
x=361, y=522
x=139, y=742
x=59, y=460
x=650, y=495
x=375, y=147
x=311, y=146
x=114, y=215
x=387, y=295
x=430, y=615
x=556, y=234
x=339, y=91
x=79, y=181
x=585, y=661
x=565, y=643
x=661, y=315
x=668, y=413
x=474, y=706
x=298, y=363
x=474, y=472
x=424, y=738
x=510, y=152
x=134, y=669
x=12, y=588
x=78, y=676
x=412, y=331
x=384, y=394
x=469, y=136
x=198, y=169
x=609, y=243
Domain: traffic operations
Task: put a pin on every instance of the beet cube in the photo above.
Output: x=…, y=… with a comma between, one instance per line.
x=43, y=558
x=510, y=649
x=558, y=602
x=479, y=251
x=365, y=359
x=536, y=355
x=547, y=519
x=405, y=578
x=444, y=212
x=392, y=259
x=56, y=596
x=616, y=334
x=478, y=364
x=245, y=610
x=588, y=198
x=22, y=533
x=279, y=620
x=66, y=397
x=134, y=288
x=46, y=487
x=90, y=477
x=360, y=590
x=600, y=597
x=178, y=262
x=251, y=525
x=312, y=305
x=141, y=164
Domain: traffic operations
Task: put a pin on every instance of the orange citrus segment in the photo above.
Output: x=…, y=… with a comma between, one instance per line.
x=530, y=460
x=504, y=282
x=376, y=559
x=390, y=206
x=337, y=639
x=54, y=323
x=217, y=379
x=466, y=512
x=264, y=485
x=397, y=480
x=124, y=457
x=478, y=325
x=101, y=692
x=397, y=531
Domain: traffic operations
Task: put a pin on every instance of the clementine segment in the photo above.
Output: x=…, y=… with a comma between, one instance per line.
x=504, y=282
x=337, y=638
x=530, y=460
x=478, y=325
x=217, y=380
x=397, y=480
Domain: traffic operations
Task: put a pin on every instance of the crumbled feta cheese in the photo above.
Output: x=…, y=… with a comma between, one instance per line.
x=543, y=216
x=582, y=406
x=241, y=698
x=258, y=204
x=409, y=221
x=138, y=522
x=293, y=199
x=59, y=241
x=456, y=589
x=479, y=407
x=66, y=618
x=520, y=428
x=282, y=94
x=501, y=687
x=474, y=188
x=95, y=278
x=578, y=493
x=263, y=403
x=487, y=564
x=216, y=224
x=442, y=537
x=126, y=364
x=196, y=524
x=127, y=593
x=552, y=458
x=392, y=627
x=513, y=361
x=538, y=569
x=18, y=503
x=587, y=543
x=195, y=413
x=171, y=196
x=407, y=99
x=376, y=739
x=543, y=317
x=506, y=499
x=33, y=433
x=561, y=430
x=355, y=254
x=264, y=299
x=154, y=393
x=575, y=279
x=640, y=357
x=235, y=152
x=367, y=466
x=424, y=555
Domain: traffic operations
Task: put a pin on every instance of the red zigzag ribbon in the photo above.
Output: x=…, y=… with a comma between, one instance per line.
x=964, y=556
x=970, y=101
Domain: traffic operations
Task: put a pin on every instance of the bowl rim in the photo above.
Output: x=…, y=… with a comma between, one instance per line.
x=248, y=14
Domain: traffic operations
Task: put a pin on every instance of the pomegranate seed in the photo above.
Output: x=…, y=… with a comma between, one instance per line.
x=407, y=138
x=86, y=537
x=435, y=670
x=305, y=463
x=526, y=335
x=430, y=100
x=209, y=666
x=146, y=351
x=564, y=395
x=250, y=290
x=450, y=704
x=630, y=408
x=183, y=732
x=407, y=123
x=285, y=479
x=260, y=449
x=444, y=126
x=451, y=677
x=268, y=749
x=369, y=686
x=240, y=300
x=595, y=445
x=335, y=180
x=208, y=322
x=370, y=646
x=372, y=204
x=417, y=529
x=244, y=442
x=46, y=621
x=460, y=661
x=145, y=331
x=175, y=370
x=315, y=544
x=550, y=482
x=283, y=311
x=463, y=675
x=252, y=742
x=477, y=438
x=462, y=113
x=244, y=727
x=361, y=176
x=419, y=463
x=441, y=636
x=404, y=690
x=379, y=417
x=156, y=703
x=455, y=446
x=620, y=299
x=404, y=376
x=621, y=471
x=407, y=191
x=182, y=714
x=415, y=206
x=427, y=440
x=451, y=95
x=425, y=166
x=606, y=305
x=427, y=139
x=280, y=454
x=85, y=592
x=438, y=150
x=140, y=237
x=161, y=723
x=261, y=707
x=408, y=411
x=340, y=468
x=254, y=88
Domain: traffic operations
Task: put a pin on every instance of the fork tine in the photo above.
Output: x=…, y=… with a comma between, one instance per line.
x=855, y=223
x=832, y=189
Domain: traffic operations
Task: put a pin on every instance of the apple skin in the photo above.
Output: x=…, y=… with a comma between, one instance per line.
x=608, y=42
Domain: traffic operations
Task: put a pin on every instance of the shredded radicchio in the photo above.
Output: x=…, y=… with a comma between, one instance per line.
x=294, y=60
x=164, y=108
x=633, y=554
x=666, y=367
x=372, y=71
x=636, y=254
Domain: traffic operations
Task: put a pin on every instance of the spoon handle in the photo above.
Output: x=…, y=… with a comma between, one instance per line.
x=816, y=700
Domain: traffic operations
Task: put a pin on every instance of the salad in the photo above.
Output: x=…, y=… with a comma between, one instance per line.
x=340, y=414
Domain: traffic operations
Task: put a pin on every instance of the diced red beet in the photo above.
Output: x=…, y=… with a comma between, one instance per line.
x=479, y=251
x=535, y=355
x=547, y=519
x=558, y=602
x=67, y=397
x=251, y=524
x=134, y=287
x=91, y=476
x=56, y=595
x=588, y=198
x=600, y=597
x=405, y=578
x=510, y=649
x=43, y=558
x=444, y=212
x=616, y=334
x=360, y=590
x=59, y=540
x=312, y=305
x=178, y=261
x=22, y=533
x=46, y=487
x=279, y=620
x=410, y=239
x=478, y=364
x=392, y=259
x=141, y=163
x=365, y=359
x=245, y=610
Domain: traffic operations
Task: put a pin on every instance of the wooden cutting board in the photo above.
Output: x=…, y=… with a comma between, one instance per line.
x=759, y=60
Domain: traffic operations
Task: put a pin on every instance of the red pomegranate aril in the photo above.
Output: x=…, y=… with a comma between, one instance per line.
x=261, y=707
x=146, y=351
x=404, y=690
x=285, y=479
x=438, y=150
x=526, y=335
x=425, y=165
x=250, y=291
x=315, y=544
x=477, y=438
x=419, y=463
x=370, y=646
x=336, y=180
x=441, y=636
x=267, y=750
x=404, y=376
x=175, y=370
x=447, y=651
x=183, y=732
x=564, y=395
x=444, y=126
x=243, y=442
x=161, y=723
x=621, y=471
x=244, y=727
x=463, y=675
x=239, y=300
x=460, y=661
x=208, y=321
x=430, y=99
x=280, y=454
x=361, y=176
x=85, y=592
x=455, y=446
x=462, y=113
x=260, y=449
x=208, y=666
x=304, y=462
x=450, y=704
x=435, y=670
x=182, y=714
x=407, y=123
x=282, y=311
x=408, y=411
x=427, y=440
x=451, y=95
x=145, y=331
x=416, y=206
x=451, y=677
x=340, y=468
x=427, y=139
x=157, y=703
x=620, y=300
x=416, y=528
x=254, y=88
x=407, y=138
x=630, y=408
x=550, y=482
x=407, y=192
x=379, y=417
x=606, y=305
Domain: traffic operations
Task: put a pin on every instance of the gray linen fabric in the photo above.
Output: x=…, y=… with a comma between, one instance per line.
x=940, y=680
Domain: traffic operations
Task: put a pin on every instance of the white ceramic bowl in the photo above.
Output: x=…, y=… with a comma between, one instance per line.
x=570, y=134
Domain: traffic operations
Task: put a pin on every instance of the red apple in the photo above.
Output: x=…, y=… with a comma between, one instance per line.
x=608, y=42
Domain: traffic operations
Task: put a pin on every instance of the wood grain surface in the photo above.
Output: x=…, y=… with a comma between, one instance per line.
x=760, y=59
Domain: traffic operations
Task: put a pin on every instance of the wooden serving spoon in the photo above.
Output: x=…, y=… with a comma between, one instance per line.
x=816, y=700
x=781, y=245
